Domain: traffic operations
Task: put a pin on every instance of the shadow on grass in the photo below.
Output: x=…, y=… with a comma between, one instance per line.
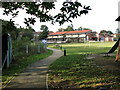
x=74, y=71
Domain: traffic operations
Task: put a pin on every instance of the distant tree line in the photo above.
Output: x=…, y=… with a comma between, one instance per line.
x=107, y=32
x=71, y=28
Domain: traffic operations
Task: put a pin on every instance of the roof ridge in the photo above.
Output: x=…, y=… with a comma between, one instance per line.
x=73, y=31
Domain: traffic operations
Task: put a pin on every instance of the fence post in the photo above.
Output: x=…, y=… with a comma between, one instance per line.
x=38, y=48
x=45, y=46
x=26, y=49
x=8, y=56
x=10, y=50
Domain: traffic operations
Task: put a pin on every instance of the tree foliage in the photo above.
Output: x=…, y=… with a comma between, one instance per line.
x=44, y=33
x=41, y=10
x=61, y=30
x=27, y=33
x=110, y=32
x=118, y=32
x=69, y=28
x=9, y=27
x=107, y=32
x=80, y=28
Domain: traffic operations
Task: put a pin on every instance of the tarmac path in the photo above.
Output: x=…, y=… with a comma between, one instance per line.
x=34, y=76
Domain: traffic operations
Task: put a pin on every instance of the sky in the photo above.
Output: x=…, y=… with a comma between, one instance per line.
x=101, y=17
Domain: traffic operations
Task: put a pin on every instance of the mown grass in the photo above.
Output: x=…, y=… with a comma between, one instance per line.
x=75, y=71
x=83, y=48
x=21, y=63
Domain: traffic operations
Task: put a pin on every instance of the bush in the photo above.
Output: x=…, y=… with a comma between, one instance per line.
x=19, y=47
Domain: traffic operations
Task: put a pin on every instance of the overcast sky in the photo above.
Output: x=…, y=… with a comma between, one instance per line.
x=102, y=16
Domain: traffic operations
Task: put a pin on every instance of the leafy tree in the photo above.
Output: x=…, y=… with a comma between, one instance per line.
x=44, y=33
x=118, y=32
x=107, y=32
x=60, y=30
x=69, y=28
x=110, y=32
x=103, y=31
x=27, y=33
x=9, y=27
x=41, y=10
x=80, y=28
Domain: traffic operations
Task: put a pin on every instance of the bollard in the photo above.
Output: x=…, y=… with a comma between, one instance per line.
x=61, y=47
x=64, y=51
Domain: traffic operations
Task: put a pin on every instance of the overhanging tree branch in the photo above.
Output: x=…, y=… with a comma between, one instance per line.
x=68, y=11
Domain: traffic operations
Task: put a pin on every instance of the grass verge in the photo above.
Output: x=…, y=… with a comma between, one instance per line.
x=20, y=64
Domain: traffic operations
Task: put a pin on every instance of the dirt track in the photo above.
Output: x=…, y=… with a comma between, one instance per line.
x=107, y=63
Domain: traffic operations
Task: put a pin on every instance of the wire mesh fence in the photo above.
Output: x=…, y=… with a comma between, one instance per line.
x=35, y=49
x=24, y=49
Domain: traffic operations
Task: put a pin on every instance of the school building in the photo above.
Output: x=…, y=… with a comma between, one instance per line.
x=68, y=36
x=77, y=36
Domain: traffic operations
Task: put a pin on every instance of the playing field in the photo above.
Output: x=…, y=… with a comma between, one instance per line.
x=76, y=71
x=85, y=48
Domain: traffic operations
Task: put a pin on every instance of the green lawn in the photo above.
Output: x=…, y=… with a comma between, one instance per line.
x=21, y=63
x=75, y=71
x=83, y=48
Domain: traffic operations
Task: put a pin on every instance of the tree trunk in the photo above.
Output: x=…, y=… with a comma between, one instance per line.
x=118, y=53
